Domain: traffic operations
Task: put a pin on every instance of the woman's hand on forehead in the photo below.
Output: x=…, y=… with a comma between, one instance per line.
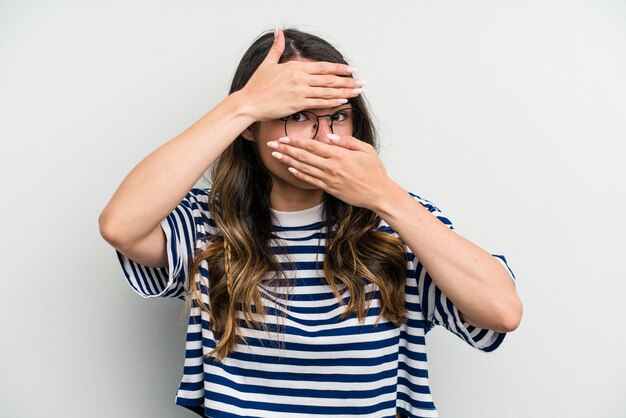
x=277, y=90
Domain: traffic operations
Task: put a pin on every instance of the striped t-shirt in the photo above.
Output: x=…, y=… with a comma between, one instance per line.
x=322, y=366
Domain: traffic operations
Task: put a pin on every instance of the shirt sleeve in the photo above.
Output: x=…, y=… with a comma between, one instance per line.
x=437, y=309
x=182, y=227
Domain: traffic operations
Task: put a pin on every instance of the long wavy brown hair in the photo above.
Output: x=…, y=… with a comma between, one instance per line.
x=240, y=256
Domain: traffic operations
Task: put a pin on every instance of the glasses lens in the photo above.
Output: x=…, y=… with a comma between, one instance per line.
x=343, y=121
x=302, y=124
x=347, y=122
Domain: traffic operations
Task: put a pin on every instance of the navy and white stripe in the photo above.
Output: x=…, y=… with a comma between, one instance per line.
x=309, y=363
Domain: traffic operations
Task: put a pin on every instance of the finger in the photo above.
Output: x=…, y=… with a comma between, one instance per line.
x=293, y=154
x=336, y=141
x=334, y=81
x=349, y=142
x=303, y=167
x=315, y=147
x=322, y=67
x=311, y=103
x=330, y=93
x=273, y=56
x=308, y=178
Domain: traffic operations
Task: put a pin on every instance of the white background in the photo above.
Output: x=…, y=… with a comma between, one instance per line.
x=509, y=116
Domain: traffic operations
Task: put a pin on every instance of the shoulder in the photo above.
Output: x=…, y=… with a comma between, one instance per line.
x=200, y=194
x=197, y=199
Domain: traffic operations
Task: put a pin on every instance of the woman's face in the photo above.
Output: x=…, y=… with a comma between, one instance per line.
x=263, y=132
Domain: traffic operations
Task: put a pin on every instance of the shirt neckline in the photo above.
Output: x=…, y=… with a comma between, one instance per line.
x=299, y=217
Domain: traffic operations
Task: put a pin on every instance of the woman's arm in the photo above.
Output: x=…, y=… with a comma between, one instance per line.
x=470, y=277
x=161, y=180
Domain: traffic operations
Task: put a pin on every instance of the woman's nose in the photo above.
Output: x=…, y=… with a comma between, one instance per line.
x=323, y=130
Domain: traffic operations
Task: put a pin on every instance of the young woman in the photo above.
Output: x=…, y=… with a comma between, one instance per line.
x=310, y=275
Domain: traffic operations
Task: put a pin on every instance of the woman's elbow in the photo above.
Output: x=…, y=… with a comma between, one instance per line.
x=512, y=316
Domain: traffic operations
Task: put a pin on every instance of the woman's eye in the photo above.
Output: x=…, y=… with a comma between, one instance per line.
x=340, y=116
x=298, y=117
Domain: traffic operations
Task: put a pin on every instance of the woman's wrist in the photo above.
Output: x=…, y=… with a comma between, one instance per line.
x=241, y=108
x=392, y=195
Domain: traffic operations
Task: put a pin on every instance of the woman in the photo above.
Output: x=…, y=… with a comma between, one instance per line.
x=311, y=276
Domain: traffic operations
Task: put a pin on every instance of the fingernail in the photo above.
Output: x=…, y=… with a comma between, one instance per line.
x=360, y=82
x=351, y=69
x=273, y=144
x=342, y=101
x=275, y=31
x=292, y=170
x=356, y=91
x=333, y=137
x=277, y=155
x=284, y=140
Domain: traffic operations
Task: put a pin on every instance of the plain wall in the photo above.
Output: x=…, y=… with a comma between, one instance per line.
x=509, y=116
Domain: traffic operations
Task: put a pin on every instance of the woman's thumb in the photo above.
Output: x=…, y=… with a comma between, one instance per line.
x=277, y=48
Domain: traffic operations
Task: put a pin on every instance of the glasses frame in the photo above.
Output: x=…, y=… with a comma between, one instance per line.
x=356, y=127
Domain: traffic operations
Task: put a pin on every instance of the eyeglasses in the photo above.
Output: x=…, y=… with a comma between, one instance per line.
x=306, y=124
